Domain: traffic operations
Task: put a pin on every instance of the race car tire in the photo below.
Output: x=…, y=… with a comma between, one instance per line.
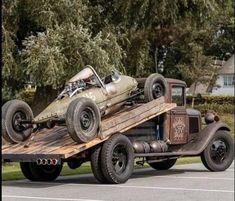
x=219, y=153
x=83, y=119
x=35, y=172
x=117, y=159
x=12, y=112
x=155, y=86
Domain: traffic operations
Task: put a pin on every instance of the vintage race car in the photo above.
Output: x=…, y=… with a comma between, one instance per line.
x=85, y=99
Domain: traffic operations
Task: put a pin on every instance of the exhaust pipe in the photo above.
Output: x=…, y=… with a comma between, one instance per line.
x=44, y=161
x=39, y=161
x=47, y=161
x=54, y=161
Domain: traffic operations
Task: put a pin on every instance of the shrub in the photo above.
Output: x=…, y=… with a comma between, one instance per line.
x=211, y=100
x=218, y=108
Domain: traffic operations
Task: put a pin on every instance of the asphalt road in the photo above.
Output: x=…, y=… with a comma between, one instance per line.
x=182, y=183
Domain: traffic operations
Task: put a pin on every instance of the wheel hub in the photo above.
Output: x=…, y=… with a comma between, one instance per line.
x=157, y=90
x=119, y=159
x=16, y=121
x=86, y=119
x=218, y=151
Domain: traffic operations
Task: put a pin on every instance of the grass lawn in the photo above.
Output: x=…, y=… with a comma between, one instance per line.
x=229, y=120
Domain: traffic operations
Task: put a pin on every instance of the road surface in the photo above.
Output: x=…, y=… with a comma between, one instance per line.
x=190, y=182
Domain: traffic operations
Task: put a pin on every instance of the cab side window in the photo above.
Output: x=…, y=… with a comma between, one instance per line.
x=177, y=95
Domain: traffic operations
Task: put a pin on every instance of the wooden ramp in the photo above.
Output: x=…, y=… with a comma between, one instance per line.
x=56, y=142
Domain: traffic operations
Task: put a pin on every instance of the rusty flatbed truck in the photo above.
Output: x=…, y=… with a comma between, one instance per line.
x=158, y=132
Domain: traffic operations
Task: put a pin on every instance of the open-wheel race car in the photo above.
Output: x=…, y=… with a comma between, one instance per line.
x=86, y=98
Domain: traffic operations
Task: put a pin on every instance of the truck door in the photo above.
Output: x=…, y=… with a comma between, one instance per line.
x=178, y=116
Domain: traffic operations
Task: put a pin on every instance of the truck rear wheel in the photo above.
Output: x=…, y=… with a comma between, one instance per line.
x=117, y=159
x=35, y=172
x=154, y=87
x=218, y=154
x=83, y=119
x=163, y=165
x=12, y=113
x=96, y=165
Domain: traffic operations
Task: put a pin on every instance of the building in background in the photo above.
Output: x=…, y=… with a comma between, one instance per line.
x=226, y=79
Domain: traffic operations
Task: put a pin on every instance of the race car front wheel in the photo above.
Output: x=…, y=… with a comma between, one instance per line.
x=83, y=119
x=13, y=113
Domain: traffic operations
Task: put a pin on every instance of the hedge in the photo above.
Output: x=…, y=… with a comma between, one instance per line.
x=211, y=100
x=218, y=108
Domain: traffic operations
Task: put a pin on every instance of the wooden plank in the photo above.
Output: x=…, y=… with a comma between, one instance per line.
x=125, y=116
x=136, y=120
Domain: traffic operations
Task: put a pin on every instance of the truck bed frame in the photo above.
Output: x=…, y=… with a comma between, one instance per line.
x=57, y=144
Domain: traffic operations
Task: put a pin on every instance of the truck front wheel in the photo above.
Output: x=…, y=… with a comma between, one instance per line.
x=163, y=165
x=35, y=172
x=117, y=159
x=218, y=155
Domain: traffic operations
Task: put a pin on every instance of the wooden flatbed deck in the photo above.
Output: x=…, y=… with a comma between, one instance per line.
x=56, y=142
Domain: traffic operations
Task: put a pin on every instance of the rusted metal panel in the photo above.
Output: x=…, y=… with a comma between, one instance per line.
x=178, y=127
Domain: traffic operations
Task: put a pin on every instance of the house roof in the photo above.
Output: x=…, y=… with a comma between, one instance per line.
x=228, y=67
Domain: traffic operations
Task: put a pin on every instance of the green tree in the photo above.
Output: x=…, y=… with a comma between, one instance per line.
x=51, y=40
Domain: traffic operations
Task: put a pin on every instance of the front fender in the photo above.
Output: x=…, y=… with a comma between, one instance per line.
x=202, y=139
x=208, y=132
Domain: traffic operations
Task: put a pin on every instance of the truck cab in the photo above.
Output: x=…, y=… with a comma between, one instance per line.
x=180, y=123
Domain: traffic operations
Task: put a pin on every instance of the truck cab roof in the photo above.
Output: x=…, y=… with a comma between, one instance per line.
x=175, y=81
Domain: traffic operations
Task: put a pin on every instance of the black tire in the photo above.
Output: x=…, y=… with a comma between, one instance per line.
x=155, y=86
x=96, y=165
x=4, y=133
x=117, y=159
x=35, y=172
x=83, y=119
x=218, y=155
x=12, y=131
x=163, y=165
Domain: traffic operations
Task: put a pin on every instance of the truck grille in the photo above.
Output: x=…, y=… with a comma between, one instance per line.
x=193, y=124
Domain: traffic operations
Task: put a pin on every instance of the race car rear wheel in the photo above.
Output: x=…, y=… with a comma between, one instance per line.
x=83, y=119
x=154, y=87
x=13, y=112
